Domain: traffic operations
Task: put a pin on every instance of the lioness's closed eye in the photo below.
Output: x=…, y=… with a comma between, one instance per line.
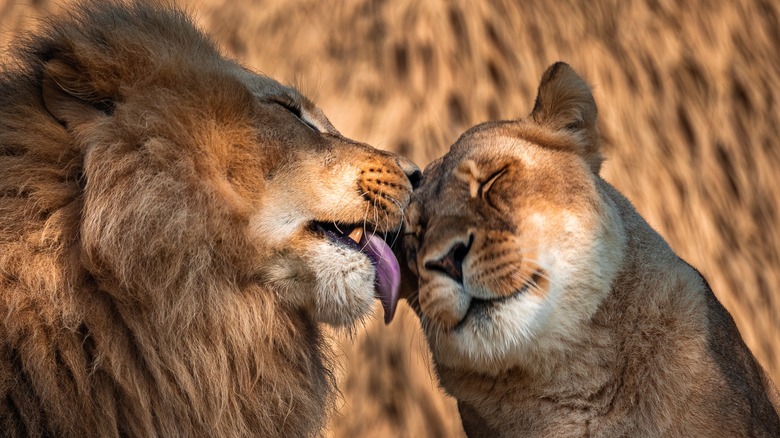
x=552, y=308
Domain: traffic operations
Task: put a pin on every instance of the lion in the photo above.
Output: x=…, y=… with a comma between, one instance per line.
x=552, y=308
x=174, y=229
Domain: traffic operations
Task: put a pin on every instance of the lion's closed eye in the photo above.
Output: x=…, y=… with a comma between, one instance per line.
x=488, y=183
x=484, y=188
x=296, y=109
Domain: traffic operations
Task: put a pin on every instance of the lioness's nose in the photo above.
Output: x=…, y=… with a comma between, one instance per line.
x=452, y=262
x=411, y=170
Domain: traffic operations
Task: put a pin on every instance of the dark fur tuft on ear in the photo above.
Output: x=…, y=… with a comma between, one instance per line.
x=564, y=103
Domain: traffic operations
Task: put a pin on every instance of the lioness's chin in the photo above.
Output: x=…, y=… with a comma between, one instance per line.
x=493, y=335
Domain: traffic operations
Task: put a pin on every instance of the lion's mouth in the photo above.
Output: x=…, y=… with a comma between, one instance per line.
x=388, y=273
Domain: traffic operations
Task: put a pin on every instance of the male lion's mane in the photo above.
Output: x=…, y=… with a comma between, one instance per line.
x=159, y=324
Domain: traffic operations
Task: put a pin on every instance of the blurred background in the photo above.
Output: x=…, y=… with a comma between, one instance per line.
x=689, y=101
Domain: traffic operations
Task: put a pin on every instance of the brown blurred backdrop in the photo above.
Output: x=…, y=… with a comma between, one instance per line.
x=689, y=101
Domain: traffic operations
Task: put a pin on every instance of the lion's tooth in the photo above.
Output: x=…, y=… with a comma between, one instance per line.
x=356, y=234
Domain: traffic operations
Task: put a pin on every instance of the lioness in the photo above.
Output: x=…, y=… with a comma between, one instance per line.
x=552, y=308
x=173, y=227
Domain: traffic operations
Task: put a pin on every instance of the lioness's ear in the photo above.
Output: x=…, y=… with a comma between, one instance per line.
x=564, y=102
x=70, y=97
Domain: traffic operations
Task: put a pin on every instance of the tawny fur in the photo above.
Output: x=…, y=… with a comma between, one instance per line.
x=156, y=276
x=615, y=336
x=689, y=132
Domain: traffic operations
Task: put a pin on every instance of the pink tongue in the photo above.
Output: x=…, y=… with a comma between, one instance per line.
x=388, y=273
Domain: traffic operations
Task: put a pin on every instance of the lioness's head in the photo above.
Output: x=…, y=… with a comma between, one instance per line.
x=510, y=239
x=196, y=171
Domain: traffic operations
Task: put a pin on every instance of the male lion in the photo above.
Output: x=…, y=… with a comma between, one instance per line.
x=552, y=308
x=173, y=228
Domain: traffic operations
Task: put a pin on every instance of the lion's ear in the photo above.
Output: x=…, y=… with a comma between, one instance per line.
x=564, y=103
x=70, y=97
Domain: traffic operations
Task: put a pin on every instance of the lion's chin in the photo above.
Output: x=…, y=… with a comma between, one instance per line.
x=342, y=290
x=387, y=275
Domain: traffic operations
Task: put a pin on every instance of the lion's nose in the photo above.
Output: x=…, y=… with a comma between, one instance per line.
x=411, y=170
x=452, y=263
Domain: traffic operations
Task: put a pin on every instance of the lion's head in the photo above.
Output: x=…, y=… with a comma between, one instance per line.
x=512, y=244
x=189, y=158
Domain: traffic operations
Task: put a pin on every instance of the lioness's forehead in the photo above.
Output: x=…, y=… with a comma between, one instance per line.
x=493, y=143
x=488, y=141
x=483, y=151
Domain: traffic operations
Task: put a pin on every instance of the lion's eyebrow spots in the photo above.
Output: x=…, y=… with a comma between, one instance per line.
x=468, y=172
